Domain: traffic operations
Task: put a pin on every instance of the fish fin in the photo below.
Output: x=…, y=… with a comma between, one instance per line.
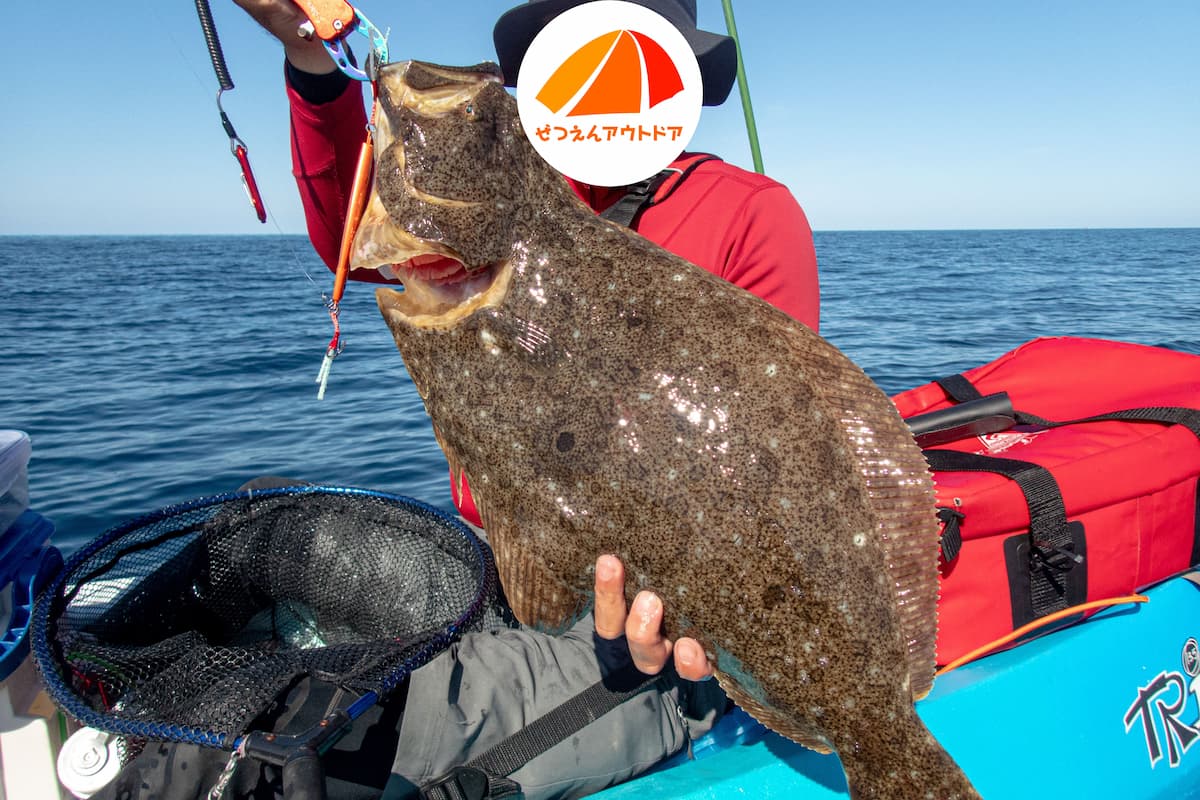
x=538, y=596
x=806, y=735
x=456, y=470
x=900, y=487
x=906, y=762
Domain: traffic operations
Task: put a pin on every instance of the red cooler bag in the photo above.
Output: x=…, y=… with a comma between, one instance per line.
x=1066, y=472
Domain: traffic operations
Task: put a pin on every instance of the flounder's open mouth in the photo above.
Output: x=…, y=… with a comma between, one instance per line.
x=438, y=291
x=431, y=268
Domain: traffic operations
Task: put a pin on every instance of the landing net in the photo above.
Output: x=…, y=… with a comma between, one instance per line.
x=185, y=624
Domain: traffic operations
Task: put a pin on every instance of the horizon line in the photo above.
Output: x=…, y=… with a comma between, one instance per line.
x=246, y=234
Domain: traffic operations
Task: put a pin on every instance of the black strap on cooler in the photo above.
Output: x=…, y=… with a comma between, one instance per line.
x=1047, y=569
x=642, y=194
x=485, y=777
x=964, y=393
x=1047, y=513
x=958, y=388
x=1164, y=415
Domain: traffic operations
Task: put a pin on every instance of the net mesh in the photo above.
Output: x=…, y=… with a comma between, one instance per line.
x=186, y=624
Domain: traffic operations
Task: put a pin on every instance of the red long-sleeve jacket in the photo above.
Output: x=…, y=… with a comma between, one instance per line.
x=744, y=227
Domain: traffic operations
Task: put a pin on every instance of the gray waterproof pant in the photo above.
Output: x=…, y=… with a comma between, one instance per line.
x=490, y=685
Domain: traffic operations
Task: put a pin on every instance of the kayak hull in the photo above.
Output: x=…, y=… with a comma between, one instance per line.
x=1106, y=708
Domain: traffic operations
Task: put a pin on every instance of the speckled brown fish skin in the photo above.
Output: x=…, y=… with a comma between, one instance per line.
x=602, y=395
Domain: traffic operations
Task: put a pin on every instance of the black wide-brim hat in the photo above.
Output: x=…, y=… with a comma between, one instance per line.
x=716, y=54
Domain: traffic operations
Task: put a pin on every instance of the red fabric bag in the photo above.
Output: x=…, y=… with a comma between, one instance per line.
x=1087, y=510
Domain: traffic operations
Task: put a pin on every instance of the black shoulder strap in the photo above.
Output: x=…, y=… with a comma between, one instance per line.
x=555, y=726
x=637, y=197
x=641, y=195
x=485, y=777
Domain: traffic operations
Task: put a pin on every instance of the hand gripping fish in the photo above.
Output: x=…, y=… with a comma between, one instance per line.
x=605, y=396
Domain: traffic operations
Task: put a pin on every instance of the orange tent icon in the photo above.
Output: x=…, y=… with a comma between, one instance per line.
x=613, y=63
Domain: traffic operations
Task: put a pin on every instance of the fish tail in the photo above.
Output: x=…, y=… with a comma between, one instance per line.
x=904, y=762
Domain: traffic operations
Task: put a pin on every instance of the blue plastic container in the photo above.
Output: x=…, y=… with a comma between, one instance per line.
x=27, y=559
x=27, y=562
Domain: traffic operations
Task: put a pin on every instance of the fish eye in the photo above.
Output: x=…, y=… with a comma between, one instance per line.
x=469, y=109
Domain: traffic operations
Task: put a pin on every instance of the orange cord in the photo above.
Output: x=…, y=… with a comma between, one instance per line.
x=1039, y=623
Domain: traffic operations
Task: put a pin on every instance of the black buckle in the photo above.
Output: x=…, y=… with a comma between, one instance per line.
x=470, y=783
x=1059, y=559
x=1053, y=562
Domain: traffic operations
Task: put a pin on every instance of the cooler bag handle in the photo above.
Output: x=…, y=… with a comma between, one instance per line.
x=1046, y=568
x=994, y=412
x=976, y=417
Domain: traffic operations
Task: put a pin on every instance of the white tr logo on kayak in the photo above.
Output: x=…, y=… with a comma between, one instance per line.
x=1162, y=705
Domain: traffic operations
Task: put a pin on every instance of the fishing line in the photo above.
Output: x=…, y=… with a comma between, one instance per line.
x=201, y=82
x=291, y=249
x=1040, y=622
x=213, y=42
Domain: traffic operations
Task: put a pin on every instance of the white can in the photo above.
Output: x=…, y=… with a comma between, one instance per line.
x=88, y=761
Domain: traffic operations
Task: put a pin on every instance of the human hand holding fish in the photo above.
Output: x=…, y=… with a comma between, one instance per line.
x=641, y=625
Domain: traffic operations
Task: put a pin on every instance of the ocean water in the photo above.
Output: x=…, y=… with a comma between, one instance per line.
x=152, y=370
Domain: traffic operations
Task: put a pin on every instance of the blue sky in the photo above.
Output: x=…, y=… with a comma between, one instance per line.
x=877, y=115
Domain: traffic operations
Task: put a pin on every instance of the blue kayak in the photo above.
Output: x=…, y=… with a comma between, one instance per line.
x=1108, y=708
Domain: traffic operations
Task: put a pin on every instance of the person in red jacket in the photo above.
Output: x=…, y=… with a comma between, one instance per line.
x=741, y=226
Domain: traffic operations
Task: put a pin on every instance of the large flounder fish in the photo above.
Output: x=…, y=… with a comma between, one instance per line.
x=603, y=395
